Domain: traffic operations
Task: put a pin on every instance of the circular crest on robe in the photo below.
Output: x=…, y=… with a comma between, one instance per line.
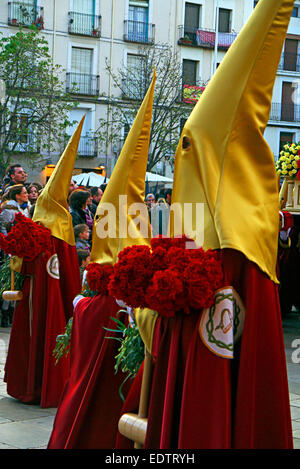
x=53, y=266
x=222, y=324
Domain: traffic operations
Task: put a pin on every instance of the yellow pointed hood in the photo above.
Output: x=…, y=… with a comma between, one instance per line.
x=223, y=160
x=126, y=187
x=52, y=209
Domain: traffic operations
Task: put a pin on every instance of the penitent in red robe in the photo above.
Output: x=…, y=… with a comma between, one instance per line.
x=201, y=401
x=30, y=371
x=88, y=414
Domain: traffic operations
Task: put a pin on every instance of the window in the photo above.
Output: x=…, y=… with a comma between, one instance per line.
x=287, y=102
x=135, y=83
x=19, y=128
x=84, y=6
x=81, y=79
x=290, y=55
x=224, y=20
x=83, y=20
x=23, y=13
x=255, y=3
x=81, y=60
x=126, y=131
x=135, y=64
x=191, y=22
x=138, y=21
x=295, y=12
x=191, y=17
x=285, y=137
x=189, y=72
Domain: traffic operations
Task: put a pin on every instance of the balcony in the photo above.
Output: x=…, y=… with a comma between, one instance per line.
x=191, y=93
x=134, y=89
x=83, y=24
x=205, y=38
x=26, y=82
x=83, y=84
x=285, y=112
x=289, y=62
x=25, y=14
x=27, y=143
x=88, y=146
x=137, y=31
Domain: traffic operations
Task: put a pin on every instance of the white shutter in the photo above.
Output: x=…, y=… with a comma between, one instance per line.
x=81, y=60
x=83, y=6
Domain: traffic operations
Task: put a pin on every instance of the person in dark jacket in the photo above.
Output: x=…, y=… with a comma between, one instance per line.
x=96, y=194
x=78, y=204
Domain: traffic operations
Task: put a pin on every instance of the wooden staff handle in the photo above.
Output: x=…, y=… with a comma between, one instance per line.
x=134, y=426
x=12, y=295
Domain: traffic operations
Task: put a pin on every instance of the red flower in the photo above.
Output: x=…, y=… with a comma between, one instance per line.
x=161, y=241
x=168, y=278
x=202, y=278
x=132, y=274
x=159, y=259
x=26, y=239
x=178, y=258
x=98, y=277
x=165, y=294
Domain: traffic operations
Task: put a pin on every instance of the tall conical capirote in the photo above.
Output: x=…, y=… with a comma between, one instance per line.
x=52, y=209
x=222, y=160
x=114, y=227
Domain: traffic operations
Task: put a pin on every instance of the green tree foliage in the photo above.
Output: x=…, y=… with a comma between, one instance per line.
x=35, y=107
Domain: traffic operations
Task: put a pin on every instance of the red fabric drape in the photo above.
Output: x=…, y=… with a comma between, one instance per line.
x=201, y=401
x=30, y=371
x=88, y=414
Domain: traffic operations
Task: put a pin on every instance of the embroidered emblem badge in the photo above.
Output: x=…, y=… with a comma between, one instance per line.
x=222, y=324
x=53, y=266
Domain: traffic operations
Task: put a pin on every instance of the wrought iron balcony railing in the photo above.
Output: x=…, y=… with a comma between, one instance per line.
x=25, y=14
x=83, y=84
x=137, y=31
x=26, y=143
x=289, y=61
x=133, y=88
x=285, y=112
x=84, y=24
x=205, y=38
x=88, y=146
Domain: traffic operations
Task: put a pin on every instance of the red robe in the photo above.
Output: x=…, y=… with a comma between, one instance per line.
x=30, y=371
x=88, y=414
x=201, y=401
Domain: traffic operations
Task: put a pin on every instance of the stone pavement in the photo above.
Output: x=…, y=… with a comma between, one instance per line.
x=29, y=427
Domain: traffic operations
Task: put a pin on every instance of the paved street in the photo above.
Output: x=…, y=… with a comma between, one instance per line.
x=29, y=426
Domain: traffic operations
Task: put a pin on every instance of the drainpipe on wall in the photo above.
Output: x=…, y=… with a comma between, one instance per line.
x=54, y=32
x=53, y=62
x=110, y=80
x=216, y=36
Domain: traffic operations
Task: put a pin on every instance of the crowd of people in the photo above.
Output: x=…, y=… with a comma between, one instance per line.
x=18, y=195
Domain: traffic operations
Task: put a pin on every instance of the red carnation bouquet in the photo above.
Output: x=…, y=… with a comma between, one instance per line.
x=167, y=277
x=26, y=239
x=98, y=277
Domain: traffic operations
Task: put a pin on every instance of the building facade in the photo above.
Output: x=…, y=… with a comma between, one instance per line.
x=85, y=35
